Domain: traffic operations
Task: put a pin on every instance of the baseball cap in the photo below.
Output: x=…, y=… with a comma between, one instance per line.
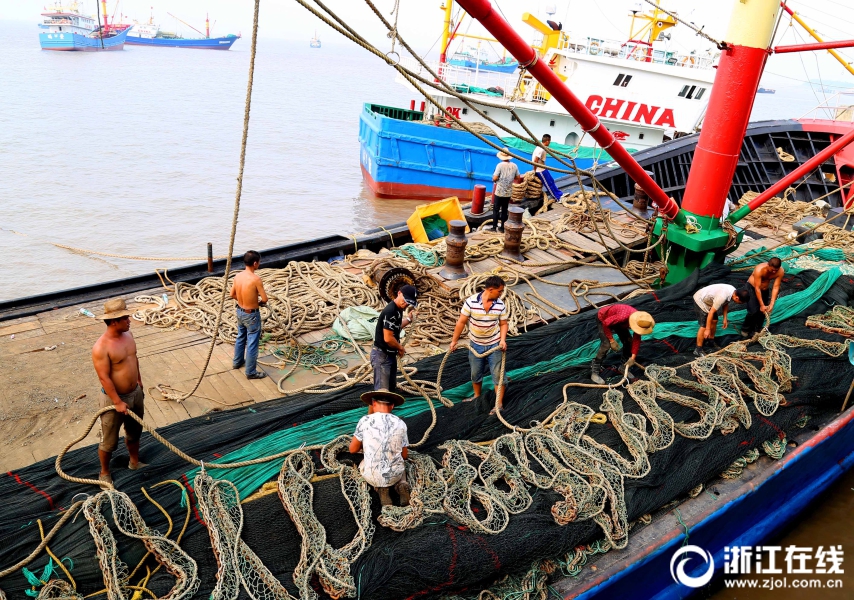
x=410, y=294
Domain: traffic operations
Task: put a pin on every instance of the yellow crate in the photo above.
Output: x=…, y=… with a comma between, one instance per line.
x=448, y=209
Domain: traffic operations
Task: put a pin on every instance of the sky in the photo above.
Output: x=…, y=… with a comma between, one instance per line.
x=420, y=23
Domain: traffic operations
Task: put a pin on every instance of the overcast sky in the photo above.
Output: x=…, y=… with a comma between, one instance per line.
x=421, y=20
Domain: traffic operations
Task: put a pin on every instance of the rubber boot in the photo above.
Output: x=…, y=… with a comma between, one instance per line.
x=402, y=489
x=595, y=367
x=385, y=496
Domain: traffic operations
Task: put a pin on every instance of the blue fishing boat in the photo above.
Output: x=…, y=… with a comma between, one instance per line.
x=471, y=60
x=403, y=156
x=69, y=30
x=622, y=82
x=149, y=34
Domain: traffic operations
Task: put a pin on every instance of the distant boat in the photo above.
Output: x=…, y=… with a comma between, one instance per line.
x=763, y=90
x=68, y=30
x=149, y=34
x=475, y=59
x=315, y=41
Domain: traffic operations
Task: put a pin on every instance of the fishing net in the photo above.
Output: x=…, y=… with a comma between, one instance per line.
x=486, y=501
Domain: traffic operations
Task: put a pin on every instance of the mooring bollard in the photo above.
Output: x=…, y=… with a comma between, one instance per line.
x=478, y=199
x=456, y=242
x=210, y=257
x=513, y=234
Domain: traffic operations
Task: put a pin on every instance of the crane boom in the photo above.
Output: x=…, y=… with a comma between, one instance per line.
x=185, y=23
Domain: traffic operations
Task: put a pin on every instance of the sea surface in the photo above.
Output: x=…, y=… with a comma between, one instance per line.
x=136, y=153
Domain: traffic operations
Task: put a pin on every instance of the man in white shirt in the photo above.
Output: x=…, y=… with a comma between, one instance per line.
x=708, y=303
x=539, y=155
x=383, y=439
x=505, y=173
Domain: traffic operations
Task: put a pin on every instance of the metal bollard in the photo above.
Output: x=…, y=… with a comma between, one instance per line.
x=513, y=234
x=456, y=254
x=478, y=199
x=210, y=257
x=641, y=201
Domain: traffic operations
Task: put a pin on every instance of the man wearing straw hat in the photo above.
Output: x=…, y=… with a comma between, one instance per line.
x=383, y=439
x=117, y=366
x=619, y=319
x=505, y=173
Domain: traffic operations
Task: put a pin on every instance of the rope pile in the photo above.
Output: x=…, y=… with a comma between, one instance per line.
x=303, y=297
x=473, y=126
x=778, y=211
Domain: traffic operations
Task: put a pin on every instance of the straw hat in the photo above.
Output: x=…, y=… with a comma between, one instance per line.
x=504, y=154
x=115, y=309
x=641, y=322
x=382, y=396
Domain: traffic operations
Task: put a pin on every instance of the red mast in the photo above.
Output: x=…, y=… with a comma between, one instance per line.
x=207, y=26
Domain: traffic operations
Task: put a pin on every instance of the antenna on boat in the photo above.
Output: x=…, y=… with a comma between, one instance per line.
x=207, y=26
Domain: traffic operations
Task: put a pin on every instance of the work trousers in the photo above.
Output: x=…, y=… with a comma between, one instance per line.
x=248, y=337
x=500, y=204
x=755, y=319
x=605, y=344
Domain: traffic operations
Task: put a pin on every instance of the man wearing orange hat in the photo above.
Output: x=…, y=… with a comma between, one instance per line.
x=383, y=439
x=619, y=319
x=117, y=366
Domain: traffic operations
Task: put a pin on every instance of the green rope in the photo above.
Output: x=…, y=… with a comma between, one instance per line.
x=684, y=526
x=775, y=448
x=428, y=258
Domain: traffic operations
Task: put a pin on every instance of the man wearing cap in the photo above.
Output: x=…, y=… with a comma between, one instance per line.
x=505, y=173
x=487, y=317
x=383, y=439
x=387, y=346
x=114, y=357
x=619, y=319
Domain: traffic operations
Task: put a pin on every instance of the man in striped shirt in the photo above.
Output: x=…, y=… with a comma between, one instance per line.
x=619, y=319
x=486, y=315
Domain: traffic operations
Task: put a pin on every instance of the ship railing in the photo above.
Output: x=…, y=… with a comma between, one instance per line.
x=463, y=78
x=634, y=51
x=838, y=107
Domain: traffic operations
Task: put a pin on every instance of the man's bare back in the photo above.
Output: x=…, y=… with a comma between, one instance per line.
x=247, y=288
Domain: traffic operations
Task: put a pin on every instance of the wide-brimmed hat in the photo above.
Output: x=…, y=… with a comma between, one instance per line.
x=382, y=396
x=504, y=154
x=641, y=322
x=115, y=309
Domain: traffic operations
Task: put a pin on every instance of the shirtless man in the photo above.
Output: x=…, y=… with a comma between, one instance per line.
x=247, y=290
x=761, y=299
x=114, y=357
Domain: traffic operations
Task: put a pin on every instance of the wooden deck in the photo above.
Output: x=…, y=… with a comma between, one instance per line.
x=49, y=389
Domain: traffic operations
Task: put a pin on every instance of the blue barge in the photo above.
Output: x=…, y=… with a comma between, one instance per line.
x=403, y=157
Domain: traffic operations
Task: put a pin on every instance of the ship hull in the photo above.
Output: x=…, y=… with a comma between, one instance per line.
x=739, y=513
x=470, y=64
x=221, y=43
x=69, y=42
x=404, y=158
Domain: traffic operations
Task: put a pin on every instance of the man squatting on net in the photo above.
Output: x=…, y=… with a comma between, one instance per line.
x=761, y=299
x=708, y=303
x=117, y=366
x=383, y=439
x=619, y=319
x=387, y=346
x=486, y=315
